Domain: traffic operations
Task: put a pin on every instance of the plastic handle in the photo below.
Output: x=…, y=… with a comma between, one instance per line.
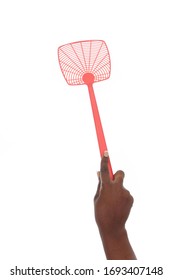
x=98, y=126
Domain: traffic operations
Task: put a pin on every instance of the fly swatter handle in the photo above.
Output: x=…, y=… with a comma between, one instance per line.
x=98, y=126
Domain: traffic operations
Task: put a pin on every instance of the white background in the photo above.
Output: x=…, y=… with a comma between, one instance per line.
x=48, y=148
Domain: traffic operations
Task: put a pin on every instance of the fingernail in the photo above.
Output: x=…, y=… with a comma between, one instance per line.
x=106, y=154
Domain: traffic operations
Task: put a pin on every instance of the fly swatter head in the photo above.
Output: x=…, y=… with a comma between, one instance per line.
x=84, y=62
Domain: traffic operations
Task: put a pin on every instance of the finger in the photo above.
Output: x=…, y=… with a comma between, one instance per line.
x=119, y=177
x=104, y=171
x=98, y=187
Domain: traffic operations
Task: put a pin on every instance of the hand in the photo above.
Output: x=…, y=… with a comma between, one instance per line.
x=112, y=207
x=112, y=201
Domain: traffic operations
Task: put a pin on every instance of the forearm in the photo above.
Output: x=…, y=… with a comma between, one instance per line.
x=117, y=246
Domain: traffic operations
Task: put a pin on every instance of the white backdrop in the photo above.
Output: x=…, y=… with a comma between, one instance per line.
x=48, y=148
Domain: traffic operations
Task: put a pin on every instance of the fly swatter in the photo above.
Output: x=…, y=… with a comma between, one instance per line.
x=87, y=62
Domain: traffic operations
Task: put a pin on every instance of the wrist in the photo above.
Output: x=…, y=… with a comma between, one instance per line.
x=117, y=234
x=116, y=245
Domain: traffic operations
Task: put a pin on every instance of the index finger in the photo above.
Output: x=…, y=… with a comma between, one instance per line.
x=104, y=171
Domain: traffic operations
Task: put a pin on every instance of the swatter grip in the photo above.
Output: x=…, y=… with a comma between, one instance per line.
x=98, y=126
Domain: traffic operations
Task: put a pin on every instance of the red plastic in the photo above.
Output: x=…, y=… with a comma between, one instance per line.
x=87, y=62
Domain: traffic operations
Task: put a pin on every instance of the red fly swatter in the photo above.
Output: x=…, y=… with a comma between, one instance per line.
x=87, y=62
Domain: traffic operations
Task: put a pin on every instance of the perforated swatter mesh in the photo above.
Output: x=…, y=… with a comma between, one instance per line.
x=79, y=58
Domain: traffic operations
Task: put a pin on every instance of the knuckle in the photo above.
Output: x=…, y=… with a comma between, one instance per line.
x=128, y=195
x=132, y=199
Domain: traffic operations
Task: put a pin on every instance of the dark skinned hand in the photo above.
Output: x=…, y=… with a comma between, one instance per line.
x=112, y=204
